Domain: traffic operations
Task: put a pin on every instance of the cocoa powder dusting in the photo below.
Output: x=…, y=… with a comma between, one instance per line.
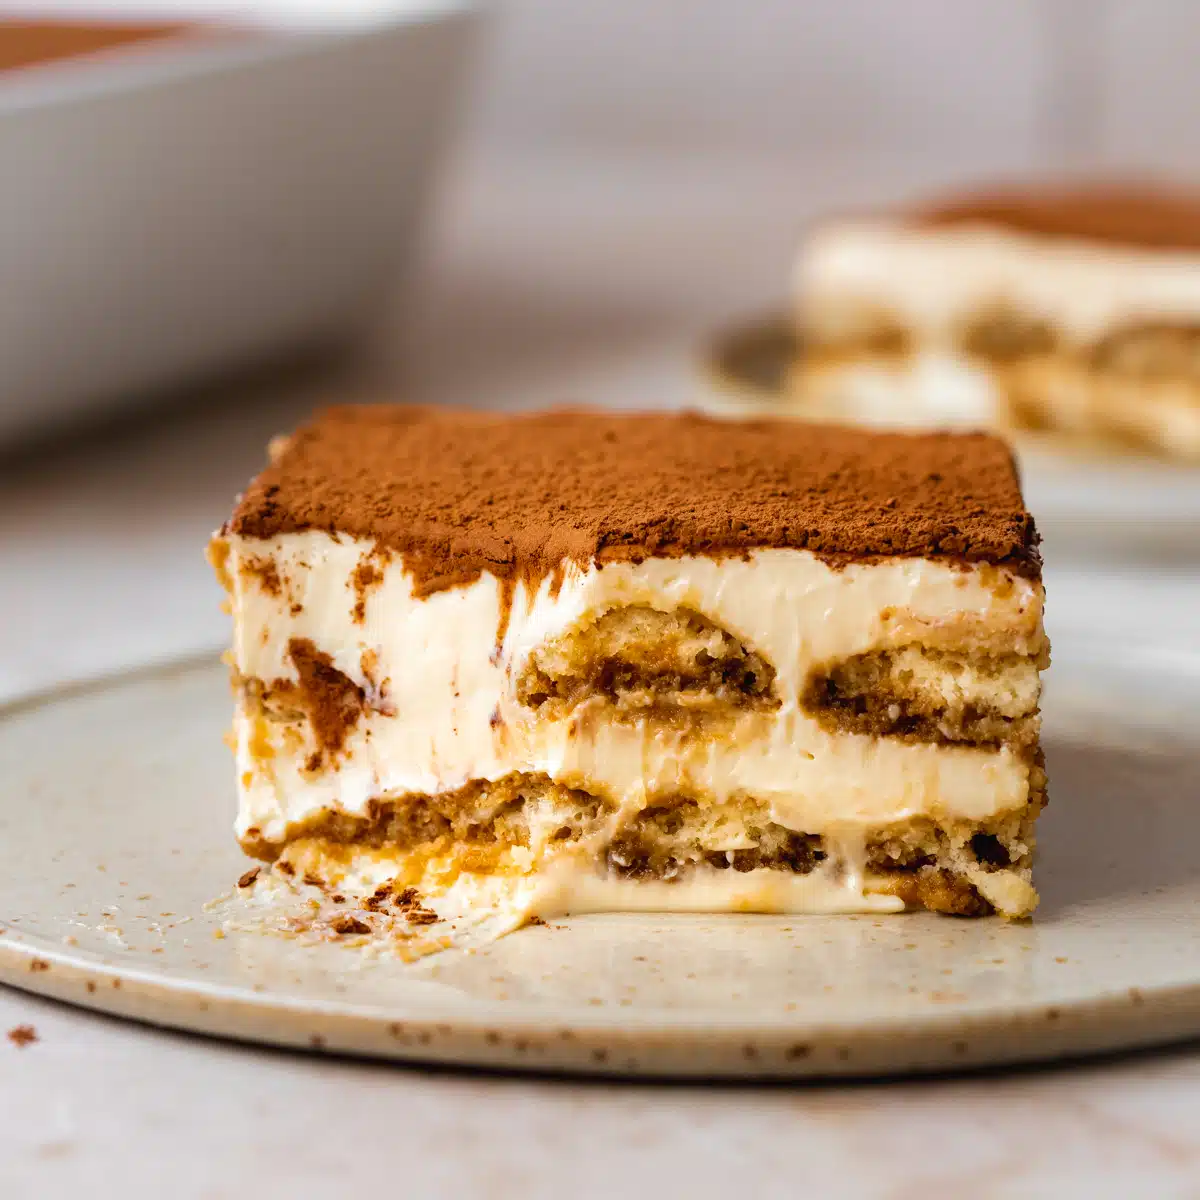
x=367, y=576
x=22, y=1036
x=1128, y=213
x=334, y=702
x=264, y=570
x=31, y=43
x=458, y=493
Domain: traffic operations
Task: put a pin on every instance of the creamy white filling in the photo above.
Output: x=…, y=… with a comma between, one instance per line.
x=562, y=889
x=450, y=713
x=929, y=387
x=937, y=387
x=931, y=279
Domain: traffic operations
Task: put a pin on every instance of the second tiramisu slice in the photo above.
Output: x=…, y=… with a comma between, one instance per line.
x=580, y=661
x=1073, y=310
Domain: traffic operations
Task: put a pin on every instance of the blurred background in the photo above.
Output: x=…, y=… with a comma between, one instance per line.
x=515, y=204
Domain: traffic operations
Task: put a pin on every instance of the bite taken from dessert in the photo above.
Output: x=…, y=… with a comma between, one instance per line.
x=580, y=661
x=1071, y=310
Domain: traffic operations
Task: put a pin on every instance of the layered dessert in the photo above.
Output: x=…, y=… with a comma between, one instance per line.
x=1074, y=310
x=26, y=44
x=579, y=661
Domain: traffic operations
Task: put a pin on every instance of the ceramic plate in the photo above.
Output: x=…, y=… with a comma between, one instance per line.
x=1081, y=490
x=115, y=834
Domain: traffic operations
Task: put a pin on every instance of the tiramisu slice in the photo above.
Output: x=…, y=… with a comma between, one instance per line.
x=579, y=661
x=1074, y=310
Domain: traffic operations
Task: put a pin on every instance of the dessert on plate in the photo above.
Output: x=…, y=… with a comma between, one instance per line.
x=582, y=661
x=1073, y=309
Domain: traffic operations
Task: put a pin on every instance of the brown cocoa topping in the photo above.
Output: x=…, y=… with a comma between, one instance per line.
x=31, y=43
x=264, y=571
x=367, y=576
x=333, y=701
x=22, y=1036
x=459, y=492
x=1131, y=214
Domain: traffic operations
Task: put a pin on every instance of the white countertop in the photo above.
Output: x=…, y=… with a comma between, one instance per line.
x=582, y=282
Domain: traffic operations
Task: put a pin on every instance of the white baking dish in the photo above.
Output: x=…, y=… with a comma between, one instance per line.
x=184, y=207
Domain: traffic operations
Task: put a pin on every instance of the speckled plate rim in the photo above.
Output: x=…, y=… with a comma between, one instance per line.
x=642, y=1044
x=604, y=1047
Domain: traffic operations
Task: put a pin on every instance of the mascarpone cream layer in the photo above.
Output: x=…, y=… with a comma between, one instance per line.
x=446, y=709
x=930, y=279
x=929, y=387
